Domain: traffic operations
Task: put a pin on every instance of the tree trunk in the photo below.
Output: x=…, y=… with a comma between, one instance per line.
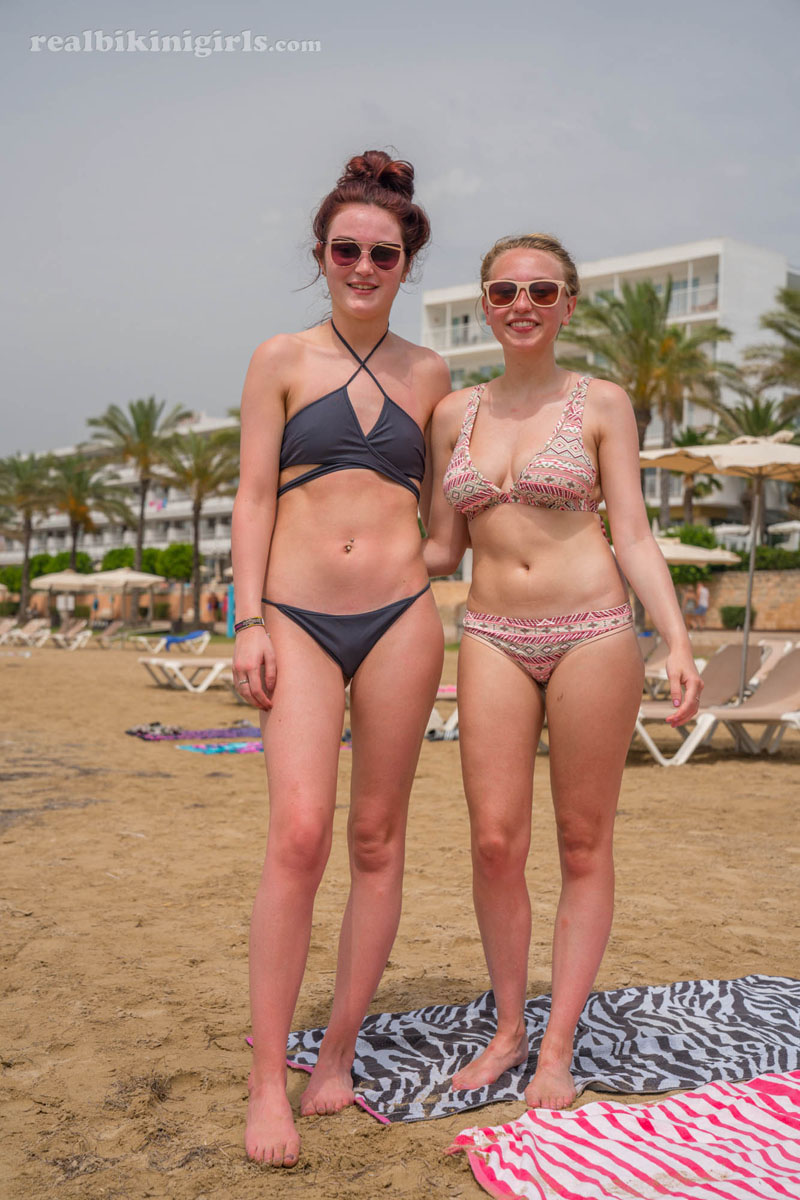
x=642, y=416
x=665, y=480
x=73, y=554
x=196, y=564
x=25, y=582
x=144, y=485
x=688, y=500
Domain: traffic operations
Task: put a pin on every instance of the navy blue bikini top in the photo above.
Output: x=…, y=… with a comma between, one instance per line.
x=327, y=432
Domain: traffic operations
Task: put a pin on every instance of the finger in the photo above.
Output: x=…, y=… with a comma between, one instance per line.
x=258, y=696
x=691, y=702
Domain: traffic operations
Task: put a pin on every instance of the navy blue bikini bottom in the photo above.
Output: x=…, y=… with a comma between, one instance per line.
x=347, y=637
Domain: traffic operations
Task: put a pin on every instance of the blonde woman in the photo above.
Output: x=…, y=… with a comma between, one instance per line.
x=522, y=463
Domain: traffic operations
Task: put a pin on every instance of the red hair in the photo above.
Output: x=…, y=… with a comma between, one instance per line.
x=388, y=183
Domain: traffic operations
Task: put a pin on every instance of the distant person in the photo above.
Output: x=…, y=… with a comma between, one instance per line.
x=325, y=537
x=520, y=466
x=702, y=599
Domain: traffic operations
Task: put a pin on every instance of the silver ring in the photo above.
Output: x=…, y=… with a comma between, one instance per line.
x=239, y=682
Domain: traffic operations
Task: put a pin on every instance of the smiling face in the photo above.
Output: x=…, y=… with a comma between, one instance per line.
x=363, y=290
x=524, y=325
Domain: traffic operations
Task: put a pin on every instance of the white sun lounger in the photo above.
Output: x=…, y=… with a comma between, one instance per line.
x=194, y=675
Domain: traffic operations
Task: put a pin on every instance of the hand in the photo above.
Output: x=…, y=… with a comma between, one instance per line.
x=254, y=669
x=685, y=686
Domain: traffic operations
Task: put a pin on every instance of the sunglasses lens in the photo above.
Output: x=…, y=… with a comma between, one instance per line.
x=385, y=257
x=345, y=254
x=502, y=294
x=543, y=292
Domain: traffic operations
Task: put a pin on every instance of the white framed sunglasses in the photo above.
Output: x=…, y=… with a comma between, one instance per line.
x=542, y=293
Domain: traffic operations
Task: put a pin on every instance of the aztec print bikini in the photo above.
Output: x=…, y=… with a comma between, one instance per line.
x=327, y=432
x=560, y=476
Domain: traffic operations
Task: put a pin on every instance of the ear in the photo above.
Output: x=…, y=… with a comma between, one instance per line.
x=319, y=255
x=569, y=310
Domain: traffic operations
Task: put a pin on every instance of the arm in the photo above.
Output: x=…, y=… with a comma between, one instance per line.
x=448, y=535
x=254, y=509
x=433, y=384
x=637, y=553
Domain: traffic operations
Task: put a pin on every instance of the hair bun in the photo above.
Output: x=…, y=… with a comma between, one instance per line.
x=376, y=166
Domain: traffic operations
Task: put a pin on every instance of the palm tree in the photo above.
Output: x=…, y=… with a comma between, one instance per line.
x=695, y=486
x=138, y=437
x=631, y=339
x=202, y=467
x=24, y=496
x=77, y=490
x=685, y=372
x=777, y=364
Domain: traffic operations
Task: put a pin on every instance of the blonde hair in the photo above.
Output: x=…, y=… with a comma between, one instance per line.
x=534, y=241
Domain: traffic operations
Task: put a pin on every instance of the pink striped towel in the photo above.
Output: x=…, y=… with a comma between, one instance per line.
x=724, y=1141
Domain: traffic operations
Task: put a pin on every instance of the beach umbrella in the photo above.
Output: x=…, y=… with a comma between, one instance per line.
x=787, y=527
x=123, y=578
x=754, y=458
x=680, y=554
x=63, y=581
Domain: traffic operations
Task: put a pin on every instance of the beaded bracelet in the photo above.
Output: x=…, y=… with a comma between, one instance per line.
x=246, y=623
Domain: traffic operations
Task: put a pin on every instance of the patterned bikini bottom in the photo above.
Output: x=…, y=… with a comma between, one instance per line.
x=539, y=644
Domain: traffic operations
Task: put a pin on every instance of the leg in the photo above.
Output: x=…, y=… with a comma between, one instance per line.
x=590, y=725
x=390, y=702
x=308, y=710
x=500, y=720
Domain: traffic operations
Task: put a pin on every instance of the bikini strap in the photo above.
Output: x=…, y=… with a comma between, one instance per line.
x=471, y=411
x=362, y=362
x=578, y=398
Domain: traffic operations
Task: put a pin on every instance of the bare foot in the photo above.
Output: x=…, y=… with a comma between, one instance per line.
x=552, y=1085
x=270, y=1137
x=329, y=1090
x=501, y=1053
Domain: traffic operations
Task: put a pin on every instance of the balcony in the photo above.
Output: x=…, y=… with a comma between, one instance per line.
x=469, y=336
x=688, y=302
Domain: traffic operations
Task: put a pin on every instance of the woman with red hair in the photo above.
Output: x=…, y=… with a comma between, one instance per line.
x=325, y=537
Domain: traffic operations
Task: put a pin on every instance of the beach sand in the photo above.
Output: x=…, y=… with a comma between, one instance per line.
x=128, y=872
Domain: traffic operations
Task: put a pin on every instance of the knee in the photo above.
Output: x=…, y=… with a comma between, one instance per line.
x=301, y=847
x=584, y=848
x=374, y=849
x=496, y=852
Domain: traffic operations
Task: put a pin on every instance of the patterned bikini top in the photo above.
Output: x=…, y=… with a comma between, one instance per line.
x=559, y=476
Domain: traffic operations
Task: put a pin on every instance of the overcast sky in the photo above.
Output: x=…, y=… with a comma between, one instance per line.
x=156, y=207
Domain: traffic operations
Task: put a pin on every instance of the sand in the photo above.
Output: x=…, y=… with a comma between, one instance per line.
x=128, y=872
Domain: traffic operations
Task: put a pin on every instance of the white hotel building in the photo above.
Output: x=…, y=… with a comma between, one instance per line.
x=718, y=280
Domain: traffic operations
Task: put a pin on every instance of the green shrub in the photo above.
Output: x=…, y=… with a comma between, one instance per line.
x=733, y=616
x=9, y=608
x=122, y=556
x=82, y=612
x=60, y=562
x=161, y=611
x=12, y=577
x=686, y=573
x=697, y=535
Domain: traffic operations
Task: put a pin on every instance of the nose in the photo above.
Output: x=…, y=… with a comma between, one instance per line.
x=364, y=264
x=523, y=301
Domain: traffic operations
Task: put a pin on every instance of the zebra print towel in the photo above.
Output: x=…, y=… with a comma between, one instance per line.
x=722, y=1141
x=632, y=1040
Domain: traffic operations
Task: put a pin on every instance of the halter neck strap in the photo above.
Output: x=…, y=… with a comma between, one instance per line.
x=362, y=362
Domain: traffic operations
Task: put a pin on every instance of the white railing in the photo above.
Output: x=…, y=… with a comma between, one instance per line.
x=686, y=302
x=458, y=337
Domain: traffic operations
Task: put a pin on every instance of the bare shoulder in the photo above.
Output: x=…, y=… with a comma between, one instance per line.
x=450, y=412
x=429, y=368
x=608, y=403
x=279, y=353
